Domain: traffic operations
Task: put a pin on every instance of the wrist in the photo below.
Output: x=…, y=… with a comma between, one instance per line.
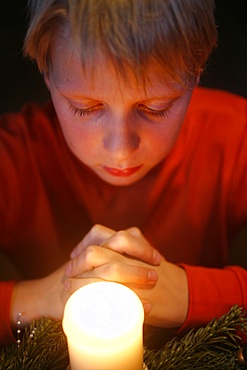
x=25, y=300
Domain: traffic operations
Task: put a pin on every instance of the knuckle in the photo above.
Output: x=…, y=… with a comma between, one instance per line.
x=91, y=253
x=96, y=229
x=135, y=231
x=121, y=237
x=142, y=275
x=111, y=271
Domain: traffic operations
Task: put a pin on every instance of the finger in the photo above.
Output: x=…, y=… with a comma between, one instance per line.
x=135, y=231
x=96, y=235
x=71, y=285
x=147, y=306
x=156, y=257
x=123, y=273
x=93, y=256
x=134, y=276
x=125, y=242
x=98, y=262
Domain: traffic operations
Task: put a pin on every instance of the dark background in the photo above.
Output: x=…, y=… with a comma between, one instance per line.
x=20, y=81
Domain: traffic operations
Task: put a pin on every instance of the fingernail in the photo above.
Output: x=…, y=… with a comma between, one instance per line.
x=147, y=308
x=68, y=269
x=152, y=275
x=157, y=258
x=66, y=285
x=73, y=254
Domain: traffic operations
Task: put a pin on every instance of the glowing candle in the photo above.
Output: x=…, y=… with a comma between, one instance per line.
x=103, y=324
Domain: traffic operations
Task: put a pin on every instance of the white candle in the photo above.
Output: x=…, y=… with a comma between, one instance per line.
x=103, y=323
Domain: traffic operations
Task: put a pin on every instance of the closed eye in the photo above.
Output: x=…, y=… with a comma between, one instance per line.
x=155, y=112
x=82, y=112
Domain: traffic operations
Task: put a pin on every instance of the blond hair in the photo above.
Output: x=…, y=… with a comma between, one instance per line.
x=178, y=35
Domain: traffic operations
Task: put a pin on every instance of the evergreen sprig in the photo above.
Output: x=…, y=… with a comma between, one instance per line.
x=44, y=347
x=212, y=347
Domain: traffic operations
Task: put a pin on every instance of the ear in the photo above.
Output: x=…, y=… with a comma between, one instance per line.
x=46, y=80
x=198, y=80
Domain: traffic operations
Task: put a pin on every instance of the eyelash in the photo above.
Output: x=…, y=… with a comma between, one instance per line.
x=87, y=111
x=82, y=112
x=156, y=113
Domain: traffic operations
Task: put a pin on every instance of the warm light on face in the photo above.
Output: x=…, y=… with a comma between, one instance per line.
x=103, y=324
x=116, y=125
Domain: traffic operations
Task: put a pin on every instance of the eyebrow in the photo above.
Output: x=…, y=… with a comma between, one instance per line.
x=173, y=94
x=71, y=95
x=165, y=98
x=152, y=99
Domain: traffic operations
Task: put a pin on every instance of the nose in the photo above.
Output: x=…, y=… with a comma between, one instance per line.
x=121, y=140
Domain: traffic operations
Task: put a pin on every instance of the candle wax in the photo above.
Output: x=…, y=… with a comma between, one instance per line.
x=103, y=324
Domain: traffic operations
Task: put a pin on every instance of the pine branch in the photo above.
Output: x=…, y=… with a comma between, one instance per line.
x=44, y=347
x=212, y=347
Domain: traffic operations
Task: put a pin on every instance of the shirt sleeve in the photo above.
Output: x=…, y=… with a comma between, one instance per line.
x=212, y=292
x=6, y=335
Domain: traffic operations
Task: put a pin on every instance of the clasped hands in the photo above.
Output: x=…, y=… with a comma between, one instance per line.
x=126, y=257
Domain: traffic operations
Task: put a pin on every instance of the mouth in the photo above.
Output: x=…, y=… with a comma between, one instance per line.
x=121, y=172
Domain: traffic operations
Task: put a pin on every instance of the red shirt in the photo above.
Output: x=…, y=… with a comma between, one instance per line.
x=189, y=207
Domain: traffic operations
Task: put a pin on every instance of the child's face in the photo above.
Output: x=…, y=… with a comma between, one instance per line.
x=117, y=127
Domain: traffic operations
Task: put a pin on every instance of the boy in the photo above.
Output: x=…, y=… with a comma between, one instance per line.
x=131, y=163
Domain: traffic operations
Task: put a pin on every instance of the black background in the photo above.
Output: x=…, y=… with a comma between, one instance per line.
x=21, y=82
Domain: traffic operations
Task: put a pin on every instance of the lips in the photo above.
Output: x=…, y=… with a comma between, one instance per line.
x=121, y=172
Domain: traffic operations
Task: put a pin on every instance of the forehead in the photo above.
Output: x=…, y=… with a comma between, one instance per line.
x=104, y=73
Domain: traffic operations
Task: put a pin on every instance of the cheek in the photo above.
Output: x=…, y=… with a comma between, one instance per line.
x=76, y=134
x=82, y=139
x=68, y=127
x=175, y=123
x=164, y=138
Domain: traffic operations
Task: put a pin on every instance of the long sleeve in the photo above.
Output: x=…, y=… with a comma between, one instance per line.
x=6, y=335
x=213, y=291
